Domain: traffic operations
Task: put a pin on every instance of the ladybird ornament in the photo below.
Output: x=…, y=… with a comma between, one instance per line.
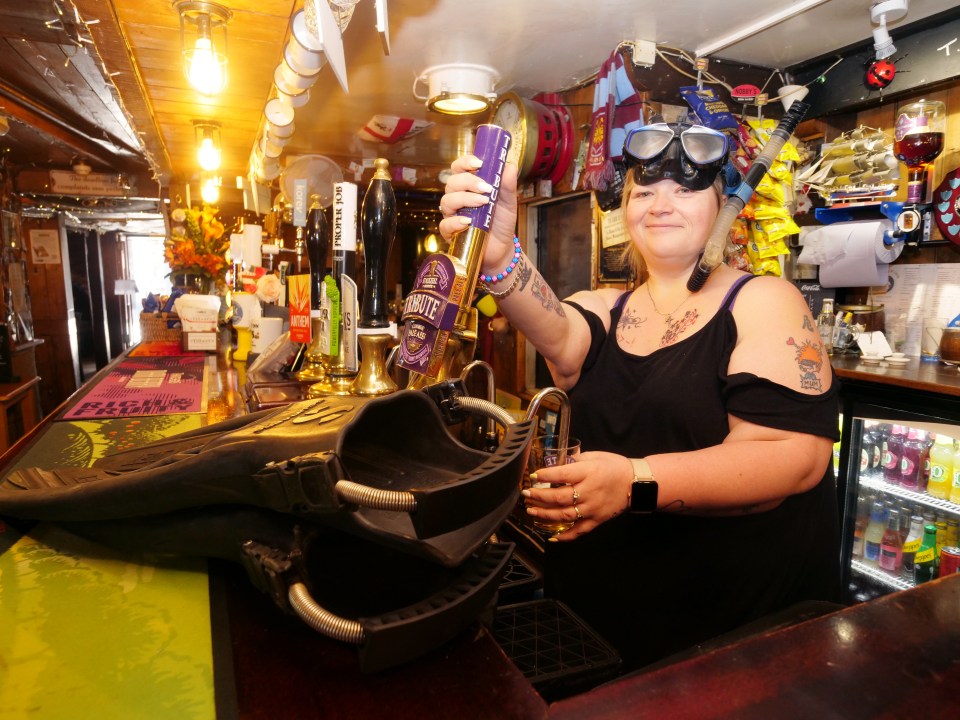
x=880, y=73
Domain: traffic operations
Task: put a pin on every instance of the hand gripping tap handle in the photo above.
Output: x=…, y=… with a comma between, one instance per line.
x=437, y=312
x=717, y=240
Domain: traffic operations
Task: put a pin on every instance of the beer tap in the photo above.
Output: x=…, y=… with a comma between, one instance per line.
x=563, y=419
x=317, y=246
x=375, y=333
x=490, y=439
x=340, y=304
x=440, y=322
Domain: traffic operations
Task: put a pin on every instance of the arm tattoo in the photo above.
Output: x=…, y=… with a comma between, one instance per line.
x=677, y=507
x=808, y=325
x=809, y=356
x=630, y=319
x=525, y=274
x=546, y=296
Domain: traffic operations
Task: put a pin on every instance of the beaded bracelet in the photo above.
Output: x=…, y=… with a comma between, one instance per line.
x=517, y=272
x=508, y=269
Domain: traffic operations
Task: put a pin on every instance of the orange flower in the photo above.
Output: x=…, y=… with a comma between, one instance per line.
x=197, y=244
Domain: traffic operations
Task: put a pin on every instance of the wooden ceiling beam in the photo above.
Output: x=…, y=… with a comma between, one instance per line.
x=21, y=108
x=118, y=60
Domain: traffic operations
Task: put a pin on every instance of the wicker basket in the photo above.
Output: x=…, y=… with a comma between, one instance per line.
x=155, y=327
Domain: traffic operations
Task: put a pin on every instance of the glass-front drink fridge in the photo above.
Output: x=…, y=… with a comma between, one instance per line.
x=899, y=479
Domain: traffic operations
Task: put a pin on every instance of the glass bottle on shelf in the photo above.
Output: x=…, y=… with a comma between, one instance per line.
x=918, y=141
x=881, y=432
x=905, y=514
x=955, y=476
x=868, y=447
x=941, y=526
x=924, y=568
x=873, y=535
x=910, y=547
x=941, y=467
x=825, y=324
x=892, y=452
x=912, y=459
x=953, y=533
x=860, y=527
x=891, y=546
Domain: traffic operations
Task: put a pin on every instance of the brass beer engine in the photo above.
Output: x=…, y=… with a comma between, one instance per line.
x=317, y=247
x=338, y=335
x=440, y=323
x=376, y=334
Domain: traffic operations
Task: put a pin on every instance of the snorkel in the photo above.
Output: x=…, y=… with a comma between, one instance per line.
x=712, y=255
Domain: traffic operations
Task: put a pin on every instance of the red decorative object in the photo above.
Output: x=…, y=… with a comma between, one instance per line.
x=745, y=93
x=946, y=206
x=880, y=73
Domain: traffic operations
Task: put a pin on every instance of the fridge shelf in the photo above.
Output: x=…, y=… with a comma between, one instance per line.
x=880, y=576
x=909, y=495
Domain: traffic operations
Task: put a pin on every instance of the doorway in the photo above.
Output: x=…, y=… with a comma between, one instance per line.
x=563, y=252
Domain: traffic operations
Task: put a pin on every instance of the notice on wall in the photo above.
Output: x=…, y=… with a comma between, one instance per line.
x=45, y=247
x=913, y=293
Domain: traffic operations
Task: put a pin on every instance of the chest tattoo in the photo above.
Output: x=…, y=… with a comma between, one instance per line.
x=676, y=328
x=629, y=320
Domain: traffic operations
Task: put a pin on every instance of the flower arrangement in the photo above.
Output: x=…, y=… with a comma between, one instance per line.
x=197, y=246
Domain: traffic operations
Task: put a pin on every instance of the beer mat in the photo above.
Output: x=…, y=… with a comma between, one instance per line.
x=146, y=386
x=79, y=443
x=90, y=630
x=163, y=348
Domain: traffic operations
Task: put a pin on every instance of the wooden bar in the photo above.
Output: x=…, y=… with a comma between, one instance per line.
x=892, y=657
x=895, y=657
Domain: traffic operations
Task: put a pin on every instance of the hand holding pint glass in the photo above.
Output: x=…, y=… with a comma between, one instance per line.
x=545, y=452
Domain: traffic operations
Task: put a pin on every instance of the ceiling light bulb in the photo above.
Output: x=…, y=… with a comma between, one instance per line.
x=204, y=69
x=210, y=191
x=203, y=42
x=208, y=155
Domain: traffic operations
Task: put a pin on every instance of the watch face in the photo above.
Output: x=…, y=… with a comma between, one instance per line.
x=643, y=496
x=509, y=116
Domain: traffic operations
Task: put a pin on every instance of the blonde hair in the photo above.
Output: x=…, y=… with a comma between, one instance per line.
x=631, y=255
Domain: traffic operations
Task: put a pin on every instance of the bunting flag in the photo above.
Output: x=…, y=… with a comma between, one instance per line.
x=391, y=129
x=616, y=111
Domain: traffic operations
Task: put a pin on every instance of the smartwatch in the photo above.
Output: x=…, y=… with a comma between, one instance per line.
x=643, y=489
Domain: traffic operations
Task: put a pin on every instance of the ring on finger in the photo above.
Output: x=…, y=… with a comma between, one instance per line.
x=576, y=496
x=579, y=514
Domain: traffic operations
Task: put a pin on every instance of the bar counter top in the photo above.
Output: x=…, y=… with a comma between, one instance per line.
x=892, y=657
x=916, y=374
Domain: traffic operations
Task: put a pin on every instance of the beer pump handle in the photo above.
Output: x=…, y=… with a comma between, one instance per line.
x=378, y=227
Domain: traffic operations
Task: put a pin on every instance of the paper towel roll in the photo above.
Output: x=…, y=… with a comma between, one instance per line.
x=850, y=254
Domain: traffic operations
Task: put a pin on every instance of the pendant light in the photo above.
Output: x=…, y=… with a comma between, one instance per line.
x=205, y=58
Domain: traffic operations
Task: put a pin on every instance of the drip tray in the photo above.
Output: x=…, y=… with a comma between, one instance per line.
x=521, y=581
x=554, y=649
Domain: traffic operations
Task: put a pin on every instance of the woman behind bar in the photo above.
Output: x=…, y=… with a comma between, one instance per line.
x=721, y=403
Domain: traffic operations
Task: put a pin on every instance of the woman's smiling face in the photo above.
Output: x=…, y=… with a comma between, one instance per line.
x=665, y=219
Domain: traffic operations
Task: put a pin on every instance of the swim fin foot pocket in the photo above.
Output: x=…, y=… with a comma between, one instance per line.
x=340, y=500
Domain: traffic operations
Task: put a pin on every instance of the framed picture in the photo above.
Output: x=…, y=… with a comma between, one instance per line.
x=612, y=266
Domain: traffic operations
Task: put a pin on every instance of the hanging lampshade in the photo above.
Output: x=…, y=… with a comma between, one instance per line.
x=205, y=51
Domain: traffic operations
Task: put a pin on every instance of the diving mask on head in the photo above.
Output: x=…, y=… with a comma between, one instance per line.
x=690, y=155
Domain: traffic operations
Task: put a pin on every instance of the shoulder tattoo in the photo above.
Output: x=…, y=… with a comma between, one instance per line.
x=809, y=357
